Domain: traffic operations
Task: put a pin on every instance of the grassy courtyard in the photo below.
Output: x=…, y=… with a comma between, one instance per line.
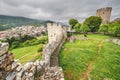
x=26, y=54
x=92, y=59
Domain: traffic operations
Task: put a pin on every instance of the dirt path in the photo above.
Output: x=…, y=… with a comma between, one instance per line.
x=86, y=74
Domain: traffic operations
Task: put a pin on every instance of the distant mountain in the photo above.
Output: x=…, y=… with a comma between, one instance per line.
x=7, y=22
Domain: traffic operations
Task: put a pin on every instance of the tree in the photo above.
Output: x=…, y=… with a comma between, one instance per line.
x=93, y=23
x=73, y=22
x=84, y=28
x=104, y=28
x=77, y=27
x=14, y=45
x=114, y=29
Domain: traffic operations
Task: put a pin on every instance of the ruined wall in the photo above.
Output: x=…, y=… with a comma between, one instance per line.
x=105, y=14
x=40, y=69
x=115, y=41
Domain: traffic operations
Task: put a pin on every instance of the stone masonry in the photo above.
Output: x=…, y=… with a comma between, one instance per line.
x=11, y=69
x=115, y=41
x=105, y=14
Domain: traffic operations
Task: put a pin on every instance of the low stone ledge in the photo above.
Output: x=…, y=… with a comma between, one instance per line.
x=116, y=41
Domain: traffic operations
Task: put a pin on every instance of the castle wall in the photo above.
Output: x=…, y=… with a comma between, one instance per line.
x=105, y=14
x=13, y=70
x=54, y=31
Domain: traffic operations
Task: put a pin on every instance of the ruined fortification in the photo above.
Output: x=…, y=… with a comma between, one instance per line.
x=55, y=30
x=105, y=14
x=43, y=69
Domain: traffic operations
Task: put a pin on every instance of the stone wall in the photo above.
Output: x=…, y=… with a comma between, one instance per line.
x=115, y=41
x=55, y=30
x=38, y=70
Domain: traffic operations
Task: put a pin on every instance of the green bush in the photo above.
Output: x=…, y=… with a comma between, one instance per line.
x=42, y=40
x=40, y=49
x=44, y=33
x=24, y=42
x=14, y=45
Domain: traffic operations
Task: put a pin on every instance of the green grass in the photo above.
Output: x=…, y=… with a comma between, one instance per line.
x=30, y=52
x=107, y=64
x=95, y=36
x=75, y=57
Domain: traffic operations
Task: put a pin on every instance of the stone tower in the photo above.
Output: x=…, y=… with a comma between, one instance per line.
x=55, y=30
x=105, y=14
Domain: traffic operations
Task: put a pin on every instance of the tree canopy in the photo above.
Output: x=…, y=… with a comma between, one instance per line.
x=84, y=28
x=73, y=22
x=103, y=28
x=114, y=29
x=77, y=27
x=93, y=22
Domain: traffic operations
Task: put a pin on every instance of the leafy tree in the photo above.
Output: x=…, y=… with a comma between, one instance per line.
x=104, y=28
x=14, y=41
x=114, y=29
x=84, y=28
x=77, y=27
x=73, y=22
x=93, y=23
x=26, y=37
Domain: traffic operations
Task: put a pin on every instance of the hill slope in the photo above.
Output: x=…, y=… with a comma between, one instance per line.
x=7, y=22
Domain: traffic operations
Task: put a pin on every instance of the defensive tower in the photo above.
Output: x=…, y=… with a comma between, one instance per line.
x=105, y=14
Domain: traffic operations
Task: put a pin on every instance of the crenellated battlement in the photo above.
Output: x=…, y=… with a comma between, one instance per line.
x=55, y=30
x=54, y=24
x=106, y=8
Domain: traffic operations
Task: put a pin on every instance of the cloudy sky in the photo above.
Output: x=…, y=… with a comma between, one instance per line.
x=57, y=10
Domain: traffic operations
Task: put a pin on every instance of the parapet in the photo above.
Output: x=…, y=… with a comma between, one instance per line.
x=54, y=24
x=106, y=8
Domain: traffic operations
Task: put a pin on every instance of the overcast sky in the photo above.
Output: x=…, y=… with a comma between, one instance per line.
x=57, y=10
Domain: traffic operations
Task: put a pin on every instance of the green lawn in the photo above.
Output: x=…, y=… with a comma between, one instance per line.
x=75, y=57
x=95, y=36
x=26, y=54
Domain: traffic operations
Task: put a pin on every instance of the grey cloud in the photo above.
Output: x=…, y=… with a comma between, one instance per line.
x=57, y=10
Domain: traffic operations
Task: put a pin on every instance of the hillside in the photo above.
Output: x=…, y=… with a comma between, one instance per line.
x=7, y=22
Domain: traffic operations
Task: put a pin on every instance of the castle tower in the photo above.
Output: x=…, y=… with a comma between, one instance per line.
x=56, y=30
x=105, y=14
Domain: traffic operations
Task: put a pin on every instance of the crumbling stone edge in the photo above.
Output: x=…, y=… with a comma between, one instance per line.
x=11, y=69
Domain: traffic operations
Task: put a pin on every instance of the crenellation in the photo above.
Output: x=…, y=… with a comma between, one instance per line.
x=55, y=30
